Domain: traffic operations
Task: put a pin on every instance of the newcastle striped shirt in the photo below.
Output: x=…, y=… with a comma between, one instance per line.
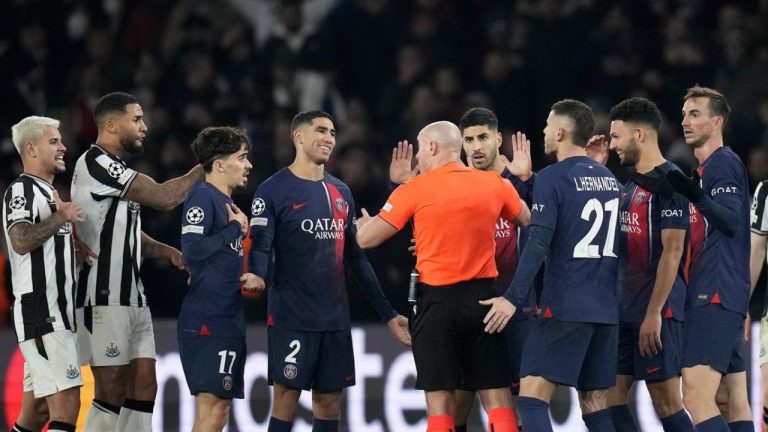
x=111, y=228
x=43, y=279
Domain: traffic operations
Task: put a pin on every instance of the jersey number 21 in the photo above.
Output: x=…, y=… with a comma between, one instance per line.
x=584, y=248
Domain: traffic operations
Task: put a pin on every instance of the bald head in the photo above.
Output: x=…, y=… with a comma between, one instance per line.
x=444, y=133
x=439, y=144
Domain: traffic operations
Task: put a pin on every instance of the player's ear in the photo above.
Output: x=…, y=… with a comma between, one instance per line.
x=298, y=137
x=111, y=124
x=718, y=121
x=29, y=148
x=640, y=134
x=560, y=135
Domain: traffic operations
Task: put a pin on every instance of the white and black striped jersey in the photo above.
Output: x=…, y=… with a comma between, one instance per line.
x=759, y=214
x=111, y=228
x=43, y=279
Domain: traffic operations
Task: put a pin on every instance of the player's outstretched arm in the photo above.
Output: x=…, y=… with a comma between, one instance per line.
x=152, y=248
x=26, y=237
x=163, y=196
x=723, y=214
x=503, y=308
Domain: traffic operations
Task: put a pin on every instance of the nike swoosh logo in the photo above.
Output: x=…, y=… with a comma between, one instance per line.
x=652, y=370
x=349, y=377
x=299, y=205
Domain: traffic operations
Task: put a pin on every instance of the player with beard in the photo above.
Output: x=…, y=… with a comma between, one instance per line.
x=114, y=324
x=719, y=275
x=652, y=238
x=482, y=140
x=211, y=328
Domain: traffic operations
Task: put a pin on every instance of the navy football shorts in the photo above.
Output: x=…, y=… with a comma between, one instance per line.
x=214, y=365
x=576, y=354
x=660, y=367
x=306, y=360
x=713, y=336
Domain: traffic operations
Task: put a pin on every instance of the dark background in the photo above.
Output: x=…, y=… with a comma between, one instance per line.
x=383, y=68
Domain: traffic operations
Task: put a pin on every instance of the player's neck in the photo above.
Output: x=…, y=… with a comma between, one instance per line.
x=307, y=170
x=39, y=172
x=710, y=146
x=219, y=184
x=568, y=150
x=108, y=145
x=650, y=159
x=498, y=165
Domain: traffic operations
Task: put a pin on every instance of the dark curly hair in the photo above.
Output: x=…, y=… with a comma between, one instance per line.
x=637, y=110
x=216, y=142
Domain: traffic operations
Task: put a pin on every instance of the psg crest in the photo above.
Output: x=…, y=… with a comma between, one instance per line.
x=289, y=371
x=227, y=383
x=340, y=204
x=640, y=198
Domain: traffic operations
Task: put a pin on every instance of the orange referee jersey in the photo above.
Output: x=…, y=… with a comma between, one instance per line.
x=454, y=210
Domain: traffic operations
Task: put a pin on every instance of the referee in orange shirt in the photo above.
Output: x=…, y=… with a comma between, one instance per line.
x=454, y=210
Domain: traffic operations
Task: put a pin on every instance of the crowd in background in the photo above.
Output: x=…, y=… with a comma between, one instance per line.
x=382, y=68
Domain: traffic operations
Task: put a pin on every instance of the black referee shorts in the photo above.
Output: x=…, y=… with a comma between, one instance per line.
x=450, y=347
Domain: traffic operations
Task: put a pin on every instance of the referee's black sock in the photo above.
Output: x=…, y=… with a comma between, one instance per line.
x=461, y=428
x=60, y=426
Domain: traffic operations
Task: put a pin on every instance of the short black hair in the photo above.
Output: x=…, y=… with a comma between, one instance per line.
x=306, y=117
x=216, y=142
x=582, y=117
x=718, y=104
x=479, y=116
x=112, y=103
x=637, y=110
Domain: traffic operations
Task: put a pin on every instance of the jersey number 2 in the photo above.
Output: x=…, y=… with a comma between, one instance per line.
x=296, y=345
x=584, y=248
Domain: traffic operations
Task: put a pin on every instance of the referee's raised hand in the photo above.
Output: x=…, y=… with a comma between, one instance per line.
x=69, y=209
